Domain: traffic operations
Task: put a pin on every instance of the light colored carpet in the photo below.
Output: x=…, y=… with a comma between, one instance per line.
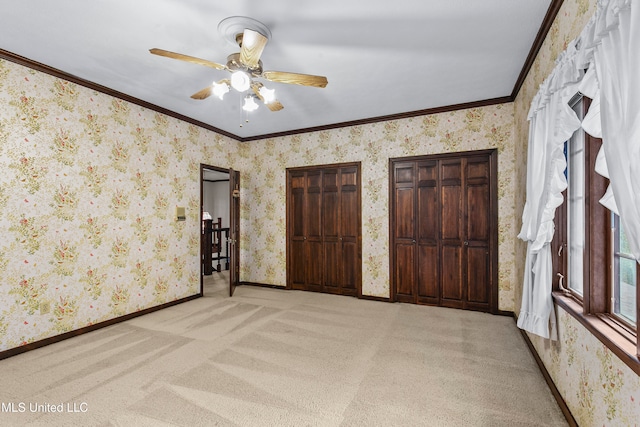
x=269, y=357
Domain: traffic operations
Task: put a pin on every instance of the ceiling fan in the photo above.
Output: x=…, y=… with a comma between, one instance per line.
x=252, y=37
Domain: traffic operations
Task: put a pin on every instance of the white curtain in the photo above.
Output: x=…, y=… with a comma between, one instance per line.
x=613, y=38
x=609, y=47
x=552, y=122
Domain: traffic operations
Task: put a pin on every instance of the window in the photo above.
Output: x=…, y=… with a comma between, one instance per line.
x=575, y=196
x=625, y=276
x=595, y=275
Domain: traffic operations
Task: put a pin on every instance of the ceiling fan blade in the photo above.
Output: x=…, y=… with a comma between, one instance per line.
x=253, y=44
x=204, y=93
x=274, y=105
x=187, y=58
x=295, y=78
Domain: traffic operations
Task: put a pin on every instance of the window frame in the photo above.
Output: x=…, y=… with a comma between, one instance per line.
x=616, y=256
x=593, y=308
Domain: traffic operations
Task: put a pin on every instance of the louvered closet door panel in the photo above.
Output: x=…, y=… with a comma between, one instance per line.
x=331, y=230
x=313, y=219
x=349, y=229
x=478, y=236
x=452, y=238
x=428, y=231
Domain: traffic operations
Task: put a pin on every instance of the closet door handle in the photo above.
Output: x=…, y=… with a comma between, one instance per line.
x=466, y=243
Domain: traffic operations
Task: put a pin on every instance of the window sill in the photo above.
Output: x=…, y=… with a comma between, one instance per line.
x=619, y=340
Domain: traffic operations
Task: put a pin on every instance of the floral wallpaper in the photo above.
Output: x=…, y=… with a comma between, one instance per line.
x=373, y=145
x=599, y=389
x=88, y=192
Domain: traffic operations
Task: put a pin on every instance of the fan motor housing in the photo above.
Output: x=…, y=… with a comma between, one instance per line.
x=234, y=64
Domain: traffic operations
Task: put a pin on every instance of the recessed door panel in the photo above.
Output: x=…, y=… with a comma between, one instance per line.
x=451, y=208
x=451, y=171
x=297, y=212
x=478, y=169
x=428, y=269
x=428, y=218
x=349, y=212
x=478, y=272
x=313, y=214
x=478, y=212
x=315, y=263
x=404, y=173
x=349, y=177
x=405, y=213
x=332, y=270
x=298, y=275
x=350, y=272
x=404, y=271
x=330, y=214
x=451, y=262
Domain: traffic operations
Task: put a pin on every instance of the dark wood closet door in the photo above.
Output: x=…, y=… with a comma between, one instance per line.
x=305, y=232
x=404, y=210
x=296, y=230
x=324, y=229
x=349, y=239
x=428, y=273
x=452, y=237
x=331, y=229
x=313, y=233
x=444, y=230
x=478, y=237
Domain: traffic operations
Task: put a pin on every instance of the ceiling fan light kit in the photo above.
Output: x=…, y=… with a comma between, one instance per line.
x=245, y=66
x=249, y=104
x=240, y=81
x=220, y=88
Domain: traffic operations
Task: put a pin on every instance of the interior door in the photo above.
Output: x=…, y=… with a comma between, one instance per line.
x=234, y=230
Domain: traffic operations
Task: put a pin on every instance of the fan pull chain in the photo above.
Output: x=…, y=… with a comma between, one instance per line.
x=246, y=113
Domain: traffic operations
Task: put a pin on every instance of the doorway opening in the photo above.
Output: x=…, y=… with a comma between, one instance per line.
x=219, y=214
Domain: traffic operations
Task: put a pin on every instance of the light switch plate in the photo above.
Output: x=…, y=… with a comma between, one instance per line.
x=180, y=213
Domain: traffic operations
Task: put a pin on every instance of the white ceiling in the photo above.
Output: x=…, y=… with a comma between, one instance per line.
x=380, y=57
